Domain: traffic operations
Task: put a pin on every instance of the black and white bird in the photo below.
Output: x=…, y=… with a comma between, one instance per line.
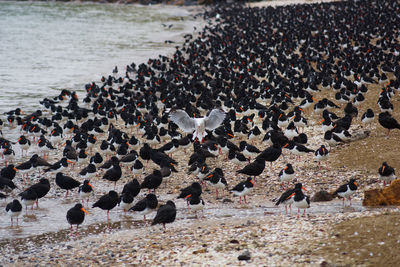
x=197, y=126
x=286, y=175
x=145, y=205
x=287, y=197
x=195, y=203
x=14, y=209
x=217, y=180
x=346, y=190
x=243, y=188
x=368, y=117
x=386, y=173
x=321, y=154
x=300, y=201
x=85, y=191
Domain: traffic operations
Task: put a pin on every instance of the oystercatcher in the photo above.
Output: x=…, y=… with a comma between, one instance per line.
x=193, y=189
x=66, y=182
x=28, y=197
x=286, y=175
x=254, y=168
x=386, y=173
x=346, y=190
x=287, y=197
x=368, y=116
x=85, y=191
x=272, y=153
x=14, y=209
x=301, y=201
x=216, y=179
x=137, y=167
x=243, y=188
x=236, y=157
x=24, y=144
x=321, y=154
x=76, y=215
x=388, y=122
x=8, y=172
x=41, y=189
x=195, y=203
x=248, y=150
x=58, y=166
x=152, y=181
x=133, y=187
x=146, y=205
x=88, y=172
x=165, y=214
x=113, y=174
x=107, y=202
x=126, y=200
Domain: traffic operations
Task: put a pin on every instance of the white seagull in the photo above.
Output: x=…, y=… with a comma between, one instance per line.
x=198, y=125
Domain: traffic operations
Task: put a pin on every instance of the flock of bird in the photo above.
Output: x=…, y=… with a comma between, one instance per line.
x=254, y=75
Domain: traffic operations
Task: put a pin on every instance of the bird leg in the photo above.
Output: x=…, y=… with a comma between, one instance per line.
x=66, y=195
x=245, y=201
x=240, y=199
x=217, y=192
x=37, y=203
x=77, y=233
x=108, y=215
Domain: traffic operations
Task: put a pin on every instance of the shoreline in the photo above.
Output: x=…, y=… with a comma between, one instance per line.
x=272, y=238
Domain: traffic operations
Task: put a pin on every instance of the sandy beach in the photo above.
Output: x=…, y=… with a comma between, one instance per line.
x=329, y=235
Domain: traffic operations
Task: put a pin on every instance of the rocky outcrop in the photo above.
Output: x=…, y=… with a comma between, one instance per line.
x=383, y=197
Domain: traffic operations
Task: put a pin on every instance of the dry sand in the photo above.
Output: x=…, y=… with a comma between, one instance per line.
x=329, y=234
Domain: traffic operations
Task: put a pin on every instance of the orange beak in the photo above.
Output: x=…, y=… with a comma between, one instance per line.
x=303, y=188
x=188, y=196
x=90, y=185
x=290, y=195
x=82, y=209
x=252, y=182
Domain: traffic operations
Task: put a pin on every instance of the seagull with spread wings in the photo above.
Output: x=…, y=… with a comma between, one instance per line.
x=198, y=125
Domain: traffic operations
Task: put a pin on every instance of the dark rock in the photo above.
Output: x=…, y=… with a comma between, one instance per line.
x=234, y=241
x=321, y=196
x=245, y=256
x=227, y=200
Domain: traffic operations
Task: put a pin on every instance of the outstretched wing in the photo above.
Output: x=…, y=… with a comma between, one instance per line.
x=214, y=120
x=182, y=119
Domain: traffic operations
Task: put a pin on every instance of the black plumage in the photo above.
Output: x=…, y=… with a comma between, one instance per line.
x=107, y=202
x=165, y=214
x=66, y=182
x=76, y=215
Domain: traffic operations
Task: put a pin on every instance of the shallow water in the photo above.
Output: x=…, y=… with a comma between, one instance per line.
x=49, y=46
x=33, y=231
